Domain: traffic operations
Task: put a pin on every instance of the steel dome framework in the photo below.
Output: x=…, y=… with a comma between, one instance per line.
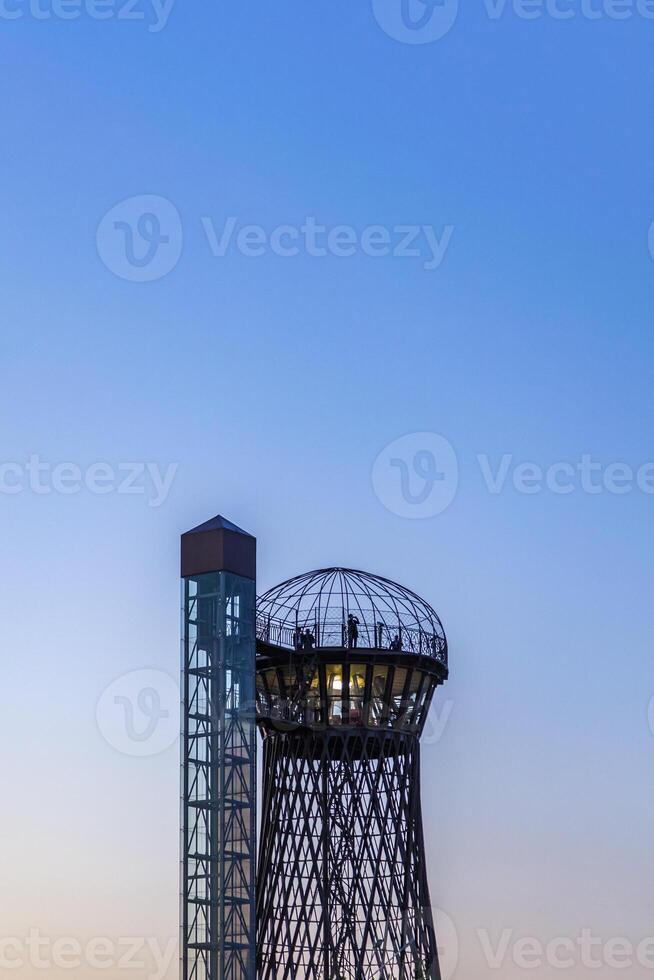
x=322, y=600
x=342, y=887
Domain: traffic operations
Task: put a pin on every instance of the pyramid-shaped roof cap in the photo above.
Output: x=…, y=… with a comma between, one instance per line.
x=218, y=545
x=218, y=523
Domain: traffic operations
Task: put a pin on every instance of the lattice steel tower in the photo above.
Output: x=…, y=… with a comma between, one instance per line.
x=347, y=665
x=218, y=842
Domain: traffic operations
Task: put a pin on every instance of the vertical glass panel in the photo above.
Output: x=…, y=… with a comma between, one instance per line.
x=399, y=680
x=314, y=702
x=423, y=700
x=262, y=696
x=410, y=706
x=377, y=691
x=357, y=690
x=291, y=692
x=272, y=681
x=275, y=693
x=334, y=675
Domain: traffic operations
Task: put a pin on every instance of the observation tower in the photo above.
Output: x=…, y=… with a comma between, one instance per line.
x=346, y=668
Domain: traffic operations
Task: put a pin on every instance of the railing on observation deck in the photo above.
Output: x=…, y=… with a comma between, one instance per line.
x=334, y=635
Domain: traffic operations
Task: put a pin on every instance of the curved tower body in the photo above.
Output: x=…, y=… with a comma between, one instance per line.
x=347, y=665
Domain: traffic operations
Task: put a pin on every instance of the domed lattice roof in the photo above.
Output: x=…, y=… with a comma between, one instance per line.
x=322, y=601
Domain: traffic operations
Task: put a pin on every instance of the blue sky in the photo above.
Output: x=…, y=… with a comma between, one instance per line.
x=271, y=385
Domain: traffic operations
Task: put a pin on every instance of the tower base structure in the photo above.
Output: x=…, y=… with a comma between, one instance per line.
x=343, y=891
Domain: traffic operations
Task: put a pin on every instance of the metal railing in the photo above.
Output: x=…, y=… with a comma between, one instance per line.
x=335, y=635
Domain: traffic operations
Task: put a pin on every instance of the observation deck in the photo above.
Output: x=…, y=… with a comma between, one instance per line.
x=343, y=649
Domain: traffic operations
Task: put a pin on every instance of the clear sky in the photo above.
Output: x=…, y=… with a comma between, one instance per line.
x=517, y=151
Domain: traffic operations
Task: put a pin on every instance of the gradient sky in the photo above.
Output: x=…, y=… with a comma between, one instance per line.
x=274, y=383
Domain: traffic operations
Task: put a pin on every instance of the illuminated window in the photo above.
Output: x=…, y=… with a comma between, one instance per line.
x=357, y=691
x=334, y=673
x=314, y=703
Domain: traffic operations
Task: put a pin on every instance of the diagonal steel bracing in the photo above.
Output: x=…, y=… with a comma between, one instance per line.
x=342, y=887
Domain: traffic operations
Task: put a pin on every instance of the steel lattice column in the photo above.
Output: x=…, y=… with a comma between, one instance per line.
x=218, y=843
x=342, y=881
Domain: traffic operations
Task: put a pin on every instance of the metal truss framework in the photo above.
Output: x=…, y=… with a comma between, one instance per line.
x=218, y=778
x=342, y=883
x=322, y=601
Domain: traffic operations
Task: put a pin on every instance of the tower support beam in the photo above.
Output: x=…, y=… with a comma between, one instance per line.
x=343, y=886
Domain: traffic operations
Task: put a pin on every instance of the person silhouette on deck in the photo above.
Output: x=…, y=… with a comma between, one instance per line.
x=308, y=640
x=352, y=631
